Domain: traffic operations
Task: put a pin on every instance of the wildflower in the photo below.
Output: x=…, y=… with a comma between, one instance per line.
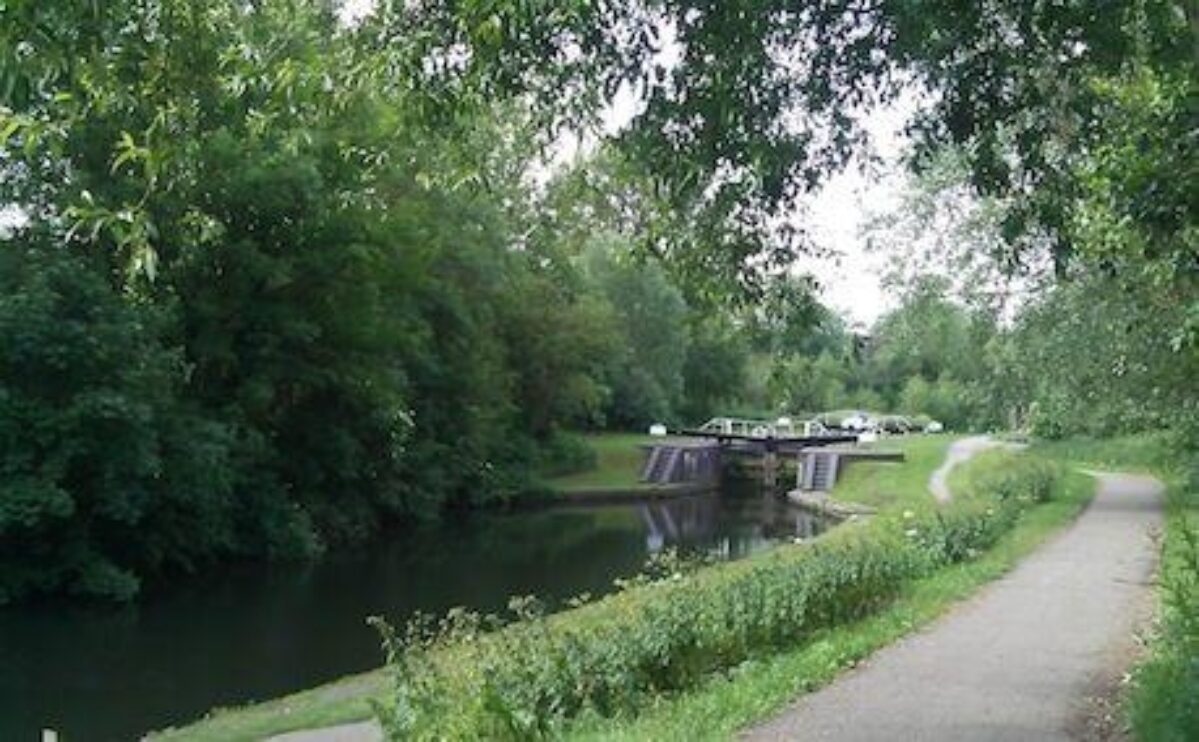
x=911, y=533
x=907, y=514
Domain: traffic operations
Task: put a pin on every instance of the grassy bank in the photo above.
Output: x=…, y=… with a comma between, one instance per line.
x=618, y=460
x=1163, y=700
x=882, y=484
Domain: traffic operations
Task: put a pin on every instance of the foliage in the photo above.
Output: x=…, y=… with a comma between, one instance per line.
x=1162, y=705
x=566, y=453
x=1112, y=369
x=714, y=372
x=803, y=384
x=104, y=475
x=465, y=676
x=365, y=307
x=645, y=376
x=322, y=338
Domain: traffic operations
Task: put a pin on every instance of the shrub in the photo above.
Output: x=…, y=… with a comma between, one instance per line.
x=1164, y=704
x=566, y=453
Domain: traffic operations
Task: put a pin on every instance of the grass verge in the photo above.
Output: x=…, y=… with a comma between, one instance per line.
x=341, y=701
x=882, y=484
x=618, y=459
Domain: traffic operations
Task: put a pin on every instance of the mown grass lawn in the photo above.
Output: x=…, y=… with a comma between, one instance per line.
x=882, y=484
x=619, y=457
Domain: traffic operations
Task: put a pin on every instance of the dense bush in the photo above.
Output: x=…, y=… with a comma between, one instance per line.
x=458, y=679
x=566, y=453
x=104, y=475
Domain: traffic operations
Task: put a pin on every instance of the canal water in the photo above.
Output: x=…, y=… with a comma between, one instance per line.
x=253, y=632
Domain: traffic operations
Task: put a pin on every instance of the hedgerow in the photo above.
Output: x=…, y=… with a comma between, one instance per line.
x=472, y=676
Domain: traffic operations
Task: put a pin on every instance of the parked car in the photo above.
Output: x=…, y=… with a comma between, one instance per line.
x=859, y=421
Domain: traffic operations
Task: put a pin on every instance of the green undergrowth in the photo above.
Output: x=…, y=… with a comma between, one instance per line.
x=680, y=629
x=1163, y=703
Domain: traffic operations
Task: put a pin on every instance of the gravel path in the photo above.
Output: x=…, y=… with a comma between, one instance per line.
x=960, y=451
x=1023, y=658
x=362, y=731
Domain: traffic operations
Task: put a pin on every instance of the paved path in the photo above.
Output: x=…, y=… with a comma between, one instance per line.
x=363, y=731
x=960, y=451
x=1020, y=659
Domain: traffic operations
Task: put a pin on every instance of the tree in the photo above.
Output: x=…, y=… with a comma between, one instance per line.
x=106, y=477
x=715, y=372
x=1095, y=361
x=646, y=374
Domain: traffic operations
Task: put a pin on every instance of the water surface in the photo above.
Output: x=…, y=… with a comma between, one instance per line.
x=254, y=632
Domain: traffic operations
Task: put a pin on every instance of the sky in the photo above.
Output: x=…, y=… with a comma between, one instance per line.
x=851, y=282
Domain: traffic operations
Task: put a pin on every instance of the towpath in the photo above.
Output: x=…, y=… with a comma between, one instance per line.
x=1025, y=658
x=959, y=451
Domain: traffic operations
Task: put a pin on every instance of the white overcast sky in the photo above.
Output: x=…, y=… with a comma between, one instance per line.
x=852, y=279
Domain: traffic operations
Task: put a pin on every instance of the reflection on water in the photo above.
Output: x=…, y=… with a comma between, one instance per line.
x=254, y=632
x=726, y=527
